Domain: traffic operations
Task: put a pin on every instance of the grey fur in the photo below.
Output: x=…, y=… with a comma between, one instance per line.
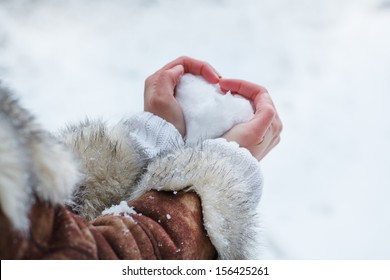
x=109, y=162
x=33, y=163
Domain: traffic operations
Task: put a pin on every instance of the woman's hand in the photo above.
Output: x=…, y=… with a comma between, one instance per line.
x=159, y=96
x=262, y=133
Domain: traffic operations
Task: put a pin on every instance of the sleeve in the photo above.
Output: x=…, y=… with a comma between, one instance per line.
x=228, y=181
x=158, y=225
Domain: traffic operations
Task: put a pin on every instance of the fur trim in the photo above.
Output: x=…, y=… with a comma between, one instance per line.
x=229, y=183
x=15, y=190
x=32, y=163
x=109, y=162
x=54, y=167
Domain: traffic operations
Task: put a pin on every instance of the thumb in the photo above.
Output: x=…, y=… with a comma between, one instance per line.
x=168, y=80
x=177, y=71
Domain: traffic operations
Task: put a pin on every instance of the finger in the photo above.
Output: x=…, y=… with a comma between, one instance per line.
x=261, y=149
x=244, y=88
x=196, y=67
x=251, y=133
x=278, y=125
x=168, y=80
x=261, y=123
x=274, y=142
x=256, y=93
x=265, y=113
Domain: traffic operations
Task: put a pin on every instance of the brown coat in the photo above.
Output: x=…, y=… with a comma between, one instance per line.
x=166, y=226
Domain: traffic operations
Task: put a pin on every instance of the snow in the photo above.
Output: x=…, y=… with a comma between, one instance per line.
x=118, y=210
x=326, y=64
x=208, y=112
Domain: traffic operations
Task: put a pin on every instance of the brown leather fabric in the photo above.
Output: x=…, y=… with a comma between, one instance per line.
x=167, y=226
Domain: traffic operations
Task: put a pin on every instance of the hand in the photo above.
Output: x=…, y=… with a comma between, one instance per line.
x=262, y=133
x=159, y=96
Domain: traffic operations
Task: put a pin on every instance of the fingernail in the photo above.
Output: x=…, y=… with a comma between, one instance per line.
x=218, y=75
x=178, y=68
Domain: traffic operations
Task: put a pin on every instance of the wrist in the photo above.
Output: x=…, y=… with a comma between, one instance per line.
x=151, y=134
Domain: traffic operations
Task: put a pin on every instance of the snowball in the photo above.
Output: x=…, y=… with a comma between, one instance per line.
x=208, y=112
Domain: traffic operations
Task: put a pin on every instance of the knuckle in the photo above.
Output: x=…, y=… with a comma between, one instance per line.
x=263, y=89
x=277, y=124
x=279, y=127
x=269, y=111
x=183, y=57
x=149, y=80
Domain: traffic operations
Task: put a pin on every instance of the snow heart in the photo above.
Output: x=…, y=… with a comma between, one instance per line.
x=208, y=112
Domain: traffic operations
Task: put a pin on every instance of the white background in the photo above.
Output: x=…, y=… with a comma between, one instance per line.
x=231, y=269
x=326, y=64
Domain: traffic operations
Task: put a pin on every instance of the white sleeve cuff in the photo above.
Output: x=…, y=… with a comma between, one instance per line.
x=152, y=135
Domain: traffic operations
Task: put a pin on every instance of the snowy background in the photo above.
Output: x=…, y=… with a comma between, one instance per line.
x=326, y=63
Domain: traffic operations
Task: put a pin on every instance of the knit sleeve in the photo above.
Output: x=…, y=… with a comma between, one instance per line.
x=229, y=182
x=150, y=134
